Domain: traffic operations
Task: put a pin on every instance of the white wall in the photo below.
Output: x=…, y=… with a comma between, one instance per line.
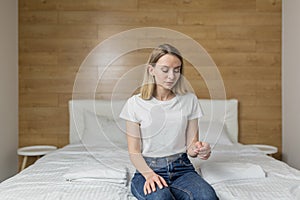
x=291, y=82
x=8, y=88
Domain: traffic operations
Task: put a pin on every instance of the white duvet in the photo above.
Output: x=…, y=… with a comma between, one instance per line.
x=76, y=172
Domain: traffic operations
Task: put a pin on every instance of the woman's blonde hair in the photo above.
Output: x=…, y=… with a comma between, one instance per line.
x=149, y=84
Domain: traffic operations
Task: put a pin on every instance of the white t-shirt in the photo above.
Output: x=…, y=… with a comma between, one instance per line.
x=163, y=124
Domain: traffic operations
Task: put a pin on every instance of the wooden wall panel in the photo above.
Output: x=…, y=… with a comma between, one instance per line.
x=55, y=36
x=203, y=6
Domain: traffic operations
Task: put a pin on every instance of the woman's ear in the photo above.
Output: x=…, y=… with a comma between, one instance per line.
x=150, y=70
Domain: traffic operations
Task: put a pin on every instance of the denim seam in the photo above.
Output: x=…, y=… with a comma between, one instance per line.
x=185, y=191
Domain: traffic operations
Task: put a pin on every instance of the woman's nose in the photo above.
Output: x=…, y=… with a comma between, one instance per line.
x=171, y=74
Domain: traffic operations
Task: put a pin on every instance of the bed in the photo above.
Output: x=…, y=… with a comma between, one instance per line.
x=95, y=165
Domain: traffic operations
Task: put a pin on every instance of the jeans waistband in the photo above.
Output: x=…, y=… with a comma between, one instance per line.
x=170, y=158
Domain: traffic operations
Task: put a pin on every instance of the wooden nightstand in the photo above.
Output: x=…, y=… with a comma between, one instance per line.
x=38, y=150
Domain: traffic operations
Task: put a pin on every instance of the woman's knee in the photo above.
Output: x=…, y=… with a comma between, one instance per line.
x=206, y=194
x=197, y=194
x=160, y=194
x=192, y=186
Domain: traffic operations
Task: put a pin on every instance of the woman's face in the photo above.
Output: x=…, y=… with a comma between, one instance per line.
x=166, y=71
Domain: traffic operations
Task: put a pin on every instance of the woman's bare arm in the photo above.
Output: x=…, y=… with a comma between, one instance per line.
x=195, y=147
x=134, y=149
x=192, y=136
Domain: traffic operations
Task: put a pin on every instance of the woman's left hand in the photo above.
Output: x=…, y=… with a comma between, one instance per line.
x=202, y=149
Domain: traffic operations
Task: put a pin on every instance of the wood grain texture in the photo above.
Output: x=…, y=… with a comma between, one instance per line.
x=55, y=36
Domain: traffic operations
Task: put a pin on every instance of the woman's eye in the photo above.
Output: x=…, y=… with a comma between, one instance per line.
x=176, y=70
x=164, y=70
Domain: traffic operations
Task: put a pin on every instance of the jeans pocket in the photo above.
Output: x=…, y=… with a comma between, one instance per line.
x=156, y=163
x=152, y=164
x=186, y=162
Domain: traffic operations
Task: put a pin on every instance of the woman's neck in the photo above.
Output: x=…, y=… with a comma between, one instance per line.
x=163, y=94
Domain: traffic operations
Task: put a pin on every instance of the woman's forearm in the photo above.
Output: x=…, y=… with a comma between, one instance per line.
x=140, y=164
x=134, y=149
x=192, y=137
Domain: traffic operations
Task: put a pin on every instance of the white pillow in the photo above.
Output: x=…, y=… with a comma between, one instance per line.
x=214, y=133
x=215, y=172
x=100, y=130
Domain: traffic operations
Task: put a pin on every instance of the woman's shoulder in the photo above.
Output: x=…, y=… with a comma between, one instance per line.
x=135, y=98
x=188, y=96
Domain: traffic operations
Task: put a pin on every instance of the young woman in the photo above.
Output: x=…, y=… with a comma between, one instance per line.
x=162, y=130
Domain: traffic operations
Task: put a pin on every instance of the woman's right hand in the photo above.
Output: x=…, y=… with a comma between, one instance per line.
x=153, y=179
x=203, y=150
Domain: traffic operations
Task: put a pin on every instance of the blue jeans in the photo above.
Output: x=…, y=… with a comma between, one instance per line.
x=182, y=179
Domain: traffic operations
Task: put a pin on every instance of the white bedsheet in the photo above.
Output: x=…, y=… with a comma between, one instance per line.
x=281, y=181
x=45, y=179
